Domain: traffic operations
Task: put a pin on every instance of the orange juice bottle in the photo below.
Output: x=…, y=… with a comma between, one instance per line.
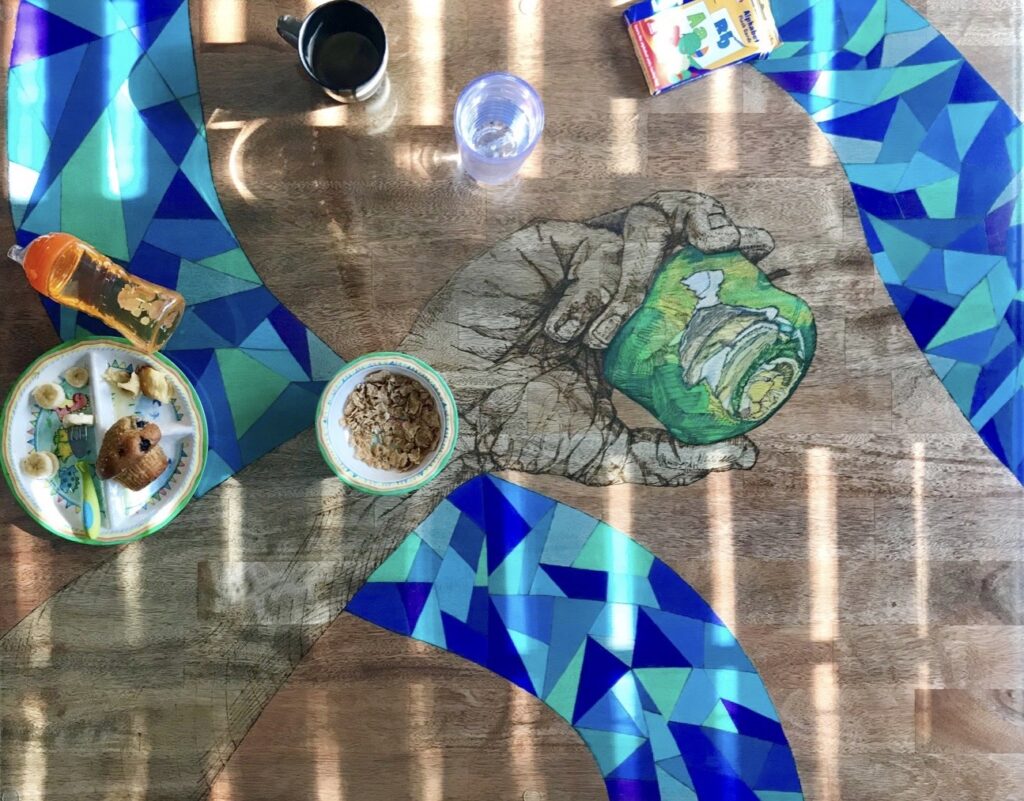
x=75, y=274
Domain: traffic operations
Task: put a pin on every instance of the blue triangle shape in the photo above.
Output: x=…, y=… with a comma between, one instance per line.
x=291, y=412
x=294, y=335
x=53, y=35
x=61, y=72
x=182, y=202
x=200, y=284
x=653, y=648
x=179, y=72
x=601, y=671
x=281, y=362
x=502, y=656
x=172, y=127
x=531, y=506
x=639, y=765
x=609, y=715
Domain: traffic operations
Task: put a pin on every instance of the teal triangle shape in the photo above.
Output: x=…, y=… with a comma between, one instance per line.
x=263, y=337
x=610, y=748
x=429, y=628
x=672, y=789
x=178, y=71
x=194, y=334
x=199, y=284
x=324, y=362
x=534, y=654
x=281, y=362
x=45, y=217
x=147, y=86
x=609, y=715
x=967, y=120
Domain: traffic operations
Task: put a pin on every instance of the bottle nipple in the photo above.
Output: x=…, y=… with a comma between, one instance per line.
x=36, y=276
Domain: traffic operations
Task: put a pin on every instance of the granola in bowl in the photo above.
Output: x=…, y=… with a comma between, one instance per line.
x=392, y=421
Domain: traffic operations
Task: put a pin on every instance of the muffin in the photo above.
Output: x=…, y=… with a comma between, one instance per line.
x=131, y=453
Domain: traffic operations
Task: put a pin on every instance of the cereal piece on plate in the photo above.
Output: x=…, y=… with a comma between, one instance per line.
x=154, y=384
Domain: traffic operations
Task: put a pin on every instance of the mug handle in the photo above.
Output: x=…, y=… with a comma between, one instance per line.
x=288, y=28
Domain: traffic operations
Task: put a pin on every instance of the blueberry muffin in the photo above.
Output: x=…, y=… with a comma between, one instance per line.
x=131, y=453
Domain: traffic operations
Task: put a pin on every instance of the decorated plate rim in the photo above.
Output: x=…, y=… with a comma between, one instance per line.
x=444, y=453
x=145, y=529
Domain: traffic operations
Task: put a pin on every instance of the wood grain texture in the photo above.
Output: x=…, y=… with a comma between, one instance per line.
x=870, y=560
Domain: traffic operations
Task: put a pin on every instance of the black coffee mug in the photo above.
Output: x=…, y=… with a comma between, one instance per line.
x=342, y=46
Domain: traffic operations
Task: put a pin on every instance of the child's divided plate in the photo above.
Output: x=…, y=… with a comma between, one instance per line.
x=57, y=503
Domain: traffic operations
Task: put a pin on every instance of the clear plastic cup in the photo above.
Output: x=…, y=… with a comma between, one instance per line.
x=498, y=122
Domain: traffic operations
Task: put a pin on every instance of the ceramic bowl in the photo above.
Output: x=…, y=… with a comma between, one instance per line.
x=335, y=441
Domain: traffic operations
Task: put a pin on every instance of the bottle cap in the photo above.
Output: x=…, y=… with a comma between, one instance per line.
x=17, y=253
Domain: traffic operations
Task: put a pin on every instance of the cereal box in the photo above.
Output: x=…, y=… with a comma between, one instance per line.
x=681, y=40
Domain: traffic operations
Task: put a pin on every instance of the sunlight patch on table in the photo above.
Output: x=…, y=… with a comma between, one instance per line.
x=428, y=58
x=721, y=153
x=323, y=740
x=429, y=775
x=34, y=767
x=129, y=580
x=526, y=59
x=723, y=558
x=825, y=693
x=921, y=563
x=236, y=169
x=821, y=546
x=624, y=158
x=224, y=21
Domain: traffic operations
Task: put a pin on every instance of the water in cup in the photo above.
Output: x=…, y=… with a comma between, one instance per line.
x=498, y=121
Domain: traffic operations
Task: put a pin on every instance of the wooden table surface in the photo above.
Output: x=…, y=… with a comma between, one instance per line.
x=869, y=562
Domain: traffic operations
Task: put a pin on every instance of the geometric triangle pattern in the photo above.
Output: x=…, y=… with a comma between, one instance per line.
x=105, y=142
x=934, y=158
x=607, y=635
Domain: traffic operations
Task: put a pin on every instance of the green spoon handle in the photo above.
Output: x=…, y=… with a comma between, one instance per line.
x=90, y=502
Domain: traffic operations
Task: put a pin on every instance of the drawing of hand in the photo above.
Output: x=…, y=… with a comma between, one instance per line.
x=520, y=335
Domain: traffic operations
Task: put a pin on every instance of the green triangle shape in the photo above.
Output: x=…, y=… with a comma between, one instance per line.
x=562, y=697
x=534, y=654
x=324, y=362
x=663, y=685
x=672, y=788
x=199, y=283
x=905, y=252
x=610, y=748
x=429, y=627
x=719, y=719
x=397, y=566
x=608, y=549
x=870, y=32
x=481, y=568
x=233, y=263
x=974, y=314
x=906, y=78
x=250, y=387
x=939, y=199
x=967, y=120
x=91, y=193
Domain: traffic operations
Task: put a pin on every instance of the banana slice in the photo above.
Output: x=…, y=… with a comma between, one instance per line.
x=77, y=377
x=40, y=465
x=78, y=419
x=49, y=395
x=131, y=386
